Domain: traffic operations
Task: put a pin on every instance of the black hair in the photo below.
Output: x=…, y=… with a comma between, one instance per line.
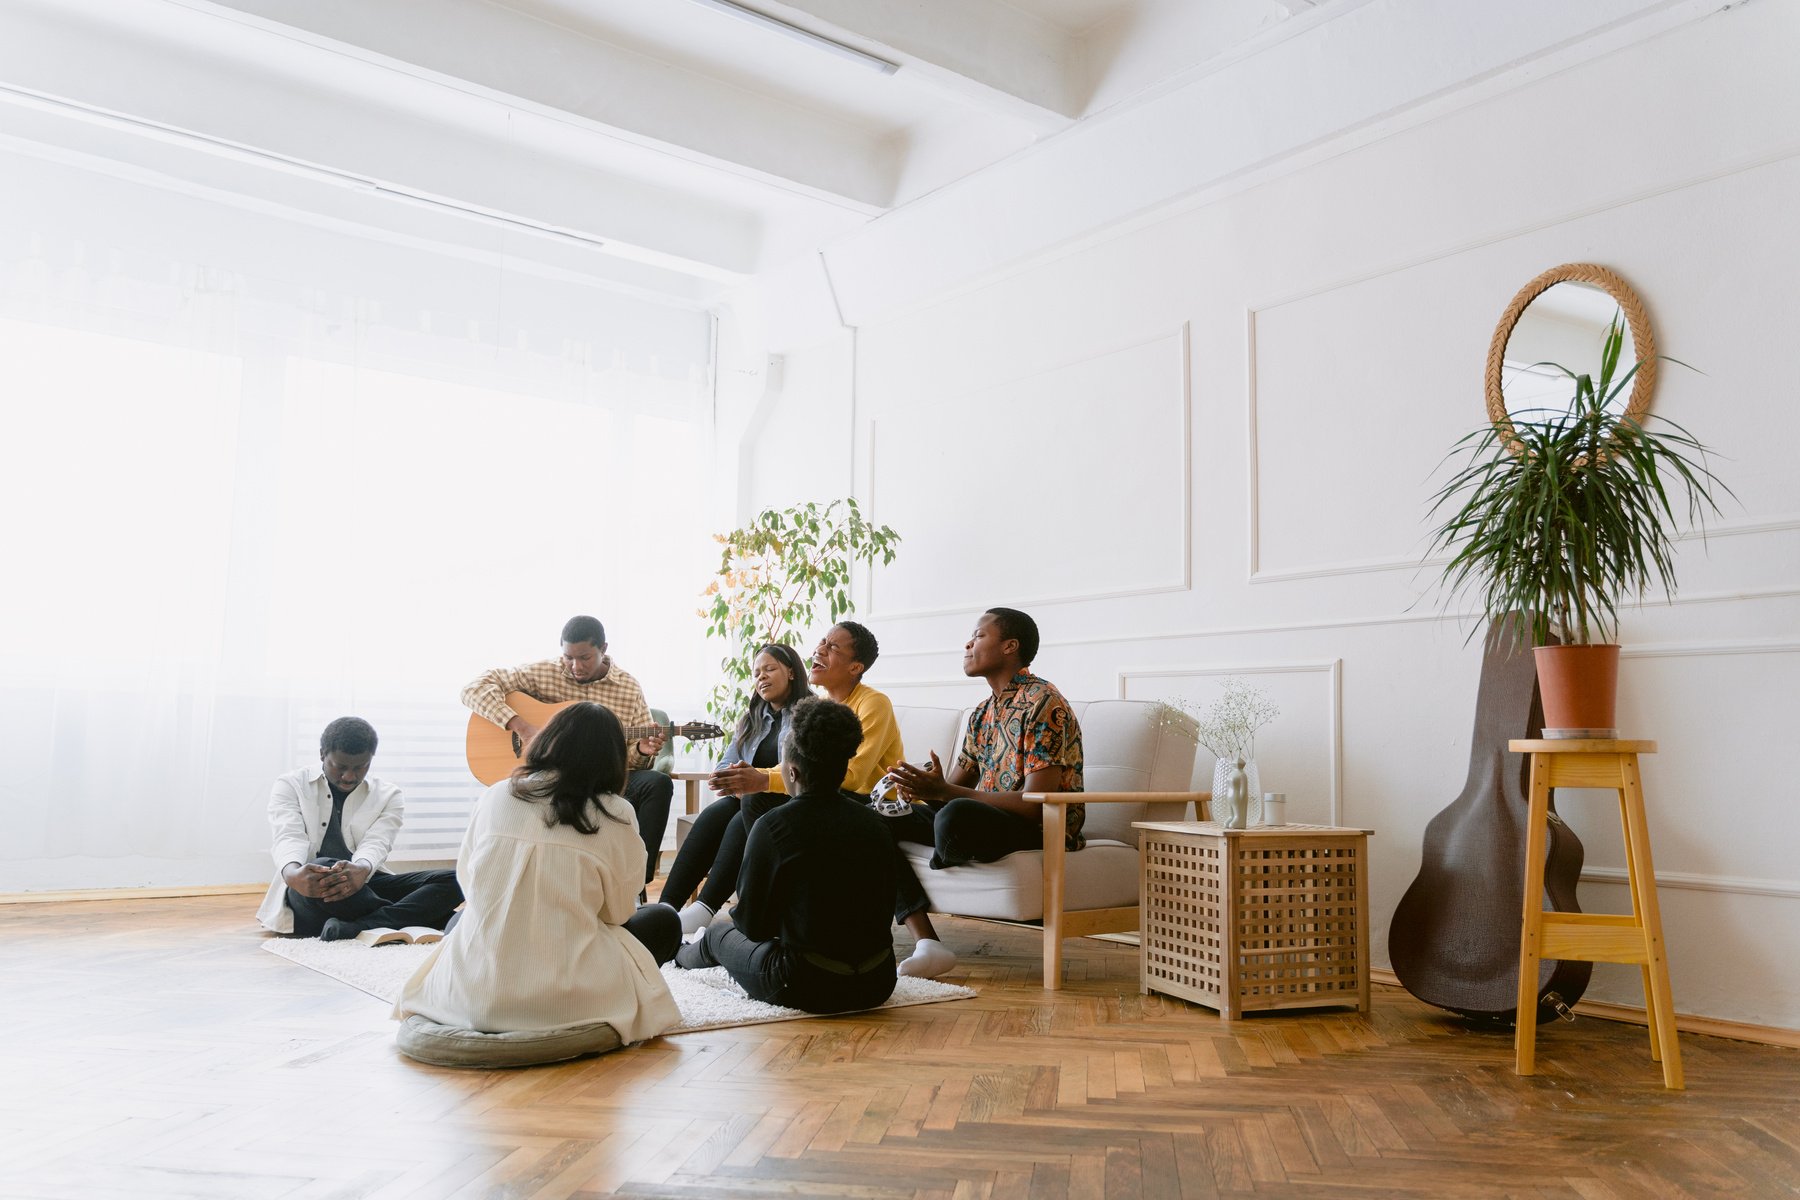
x=798, y=689
x=1015, y=624
x=863, y=646
x=348, y=735
x=585, y=629
x=573, y=761
x=822, y=737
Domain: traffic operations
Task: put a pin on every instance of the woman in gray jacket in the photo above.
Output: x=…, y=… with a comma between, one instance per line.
x=777, y=683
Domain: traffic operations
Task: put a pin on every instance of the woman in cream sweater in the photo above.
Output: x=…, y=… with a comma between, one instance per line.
x=551, y=935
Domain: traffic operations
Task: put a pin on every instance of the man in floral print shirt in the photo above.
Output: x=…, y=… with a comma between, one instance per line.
x=1022, y=738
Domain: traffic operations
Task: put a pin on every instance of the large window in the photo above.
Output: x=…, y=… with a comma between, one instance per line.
x=262, y=474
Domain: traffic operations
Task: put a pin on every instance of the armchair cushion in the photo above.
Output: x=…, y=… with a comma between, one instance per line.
x=1103, y=875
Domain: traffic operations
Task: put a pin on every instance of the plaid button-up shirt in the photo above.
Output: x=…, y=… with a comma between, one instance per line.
x=550, y=682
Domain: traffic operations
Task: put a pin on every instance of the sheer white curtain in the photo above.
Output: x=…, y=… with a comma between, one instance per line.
x=262, y=473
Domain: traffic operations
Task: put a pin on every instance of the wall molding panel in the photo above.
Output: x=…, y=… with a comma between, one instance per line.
x=1701, y=881
x=888, y=685
x=1333, y=671
x=1720, y=649
x=1781, y=523
x=1180, y=575
x=1782, y=889
x=1783, y=592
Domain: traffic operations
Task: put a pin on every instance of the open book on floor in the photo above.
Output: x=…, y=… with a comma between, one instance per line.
x=412, y=933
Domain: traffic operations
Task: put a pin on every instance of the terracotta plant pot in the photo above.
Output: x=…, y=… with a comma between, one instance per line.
x=1580, y=688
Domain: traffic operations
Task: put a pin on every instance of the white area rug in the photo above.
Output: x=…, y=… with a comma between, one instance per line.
x=707, y=999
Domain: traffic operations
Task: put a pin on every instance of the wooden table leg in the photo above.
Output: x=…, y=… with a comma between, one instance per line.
x=1641, y=872
x=1230, y=921
x=1532, y=920
x=1362, y=919
x=1632, y=883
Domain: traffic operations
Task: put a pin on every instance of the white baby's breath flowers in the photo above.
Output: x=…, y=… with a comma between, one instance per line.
x=1228, y=725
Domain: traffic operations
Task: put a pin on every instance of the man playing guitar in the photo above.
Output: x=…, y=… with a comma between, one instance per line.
x=586, y=672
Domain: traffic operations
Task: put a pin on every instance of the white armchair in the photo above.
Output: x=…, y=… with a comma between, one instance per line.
x=1138, y=766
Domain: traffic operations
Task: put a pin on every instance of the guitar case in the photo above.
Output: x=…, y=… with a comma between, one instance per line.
x=1454, y=940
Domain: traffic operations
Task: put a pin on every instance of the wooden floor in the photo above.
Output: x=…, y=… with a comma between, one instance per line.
x=150, y=1050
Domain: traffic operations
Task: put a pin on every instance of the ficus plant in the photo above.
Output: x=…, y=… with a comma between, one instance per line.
x=781, y=576
x=1557, y=515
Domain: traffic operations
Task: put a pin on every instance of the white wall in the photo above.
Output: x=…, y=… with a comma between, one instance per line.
x=1205, y=442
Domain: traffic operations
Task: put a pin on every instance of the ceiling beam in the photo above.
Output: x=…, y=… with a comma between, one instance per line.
x=236, y=85
x=986, y=53
x=487, y=49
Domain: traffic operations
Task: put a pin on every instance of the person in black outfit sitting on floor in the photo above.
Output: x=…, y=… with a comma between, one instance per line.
x=714, y=847
x=816, y=894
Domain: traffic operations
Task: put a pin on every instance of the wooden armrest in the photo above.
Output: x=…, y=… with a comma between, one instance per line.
x=1114, y=797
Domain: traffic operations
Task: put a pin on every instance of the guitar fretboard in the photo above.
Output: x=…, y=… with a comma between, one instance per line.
x=692, y=730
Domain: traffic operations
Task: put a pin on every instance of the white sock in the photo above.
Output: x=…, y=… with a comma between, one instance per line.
x=694, y=918
x=929, y=959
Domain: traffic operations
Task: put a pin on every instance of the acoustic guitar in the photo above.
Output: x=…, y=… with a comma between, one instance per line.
x=1454, y=941
x=493, y=752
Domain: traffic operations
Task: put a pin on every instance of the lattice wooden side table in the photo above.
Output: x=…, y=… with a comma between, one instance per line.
x=1248, y=920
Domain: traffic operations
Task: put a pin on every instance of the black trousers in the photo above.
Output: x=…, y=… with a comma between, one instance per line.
x=658, y=927
x=714, y=849
x=694, y=861
x=968, y=831
x=384, y=902
x=649, y=793
x=767, y=971
x=909, y=894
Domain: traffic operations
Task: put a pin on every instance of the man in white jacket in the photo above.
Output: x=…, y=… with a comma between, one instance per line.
x=332, y=827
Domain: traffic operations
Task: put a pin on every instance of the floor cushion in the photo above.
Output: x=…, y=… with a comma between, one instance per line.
x=443, y=1046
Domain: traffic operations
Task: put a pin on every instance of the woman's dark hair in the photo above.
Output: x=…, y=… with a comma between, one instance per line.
x=798, y=688
x=573, y=761
x=1016, y=626
x=822, y=737
x=347, y=735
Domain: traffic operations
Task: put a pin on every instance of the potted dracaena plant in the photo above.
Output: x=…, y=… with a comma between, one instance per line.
x=1556, y=516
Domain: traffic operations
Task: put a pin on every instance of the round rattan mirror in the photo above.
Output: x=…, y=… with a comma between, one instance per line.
x=1561, y=317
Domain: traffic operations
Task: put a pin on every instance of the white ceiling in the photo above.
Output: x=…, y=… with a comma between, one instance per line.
x=680, y=150
x=677, y=135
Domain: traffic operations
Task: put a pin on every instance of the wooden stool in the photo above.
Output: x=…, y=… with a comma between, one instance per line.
x=1593, y=937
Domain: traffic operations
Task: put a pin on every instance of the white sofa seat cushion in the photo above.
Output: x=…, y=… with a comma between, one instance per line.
x=1103, y=875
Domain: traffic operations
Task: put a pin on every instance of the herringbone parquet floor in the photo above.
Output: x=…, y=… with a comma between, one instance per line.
x=149, y=1050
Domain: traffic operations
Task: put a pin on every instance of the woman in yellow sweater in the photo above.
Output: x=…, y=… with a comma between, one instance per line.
x=845, y=652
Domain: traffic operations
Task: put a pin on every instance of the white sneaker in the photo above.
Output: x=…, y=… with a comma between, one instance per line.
x=929, y=959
